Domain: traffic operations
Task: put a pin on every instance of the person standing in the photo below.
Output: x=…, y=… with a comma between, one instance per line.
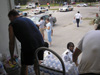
x=96, y=21
x=78, y=17
x=28, y=35
x=41, y=26
x=51, y=21
x=48, y=30
x=89, y=45
x=48, y=5
x=68, y=54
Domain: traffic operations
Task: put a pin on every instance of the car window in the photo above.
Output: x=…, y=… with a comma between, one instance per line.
x=46, y=16
x=35, y=18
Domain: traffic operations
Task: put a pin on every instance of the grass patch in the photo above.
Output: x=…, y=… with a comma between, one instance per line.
x=23, y=9
x=87, y=18
x=23, y=5
x=53, y=4
x=91, y=22
x=54, y=9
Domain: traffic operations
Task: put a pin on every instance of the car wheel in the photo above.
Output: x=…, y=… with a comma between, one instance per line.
x=40, y=11
x=66, y=10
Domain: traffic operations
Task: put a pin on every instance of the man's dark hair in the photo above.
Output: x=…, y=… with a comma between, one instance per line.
x=47, y=19
x=46, y=44
x=78, y=12
x=50, y=14
x=98, y=27
x=13, y=12
x=41, y=18
x=70, y=44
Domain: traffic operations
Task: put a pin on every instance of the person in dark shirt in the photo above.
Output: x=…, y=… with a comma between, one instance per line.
x=28, y=35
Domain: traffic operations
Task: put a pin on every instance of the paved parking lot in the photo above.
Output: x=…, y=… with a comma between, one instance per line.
x=66, y=31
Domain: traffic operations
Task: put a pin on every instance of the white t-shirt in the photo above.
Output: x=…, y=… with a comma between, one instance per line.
x=67, y=56
x=90, y=46
x=48, y=25
x=41, y=24
x=78, y=16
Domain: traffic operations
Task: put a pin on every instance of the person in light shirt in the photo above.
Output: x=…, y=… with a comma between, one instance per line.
x=89, y=46
x=41, y=26
x=48, y=30
x=78, y=17
x=51, y=21
x=68, y=54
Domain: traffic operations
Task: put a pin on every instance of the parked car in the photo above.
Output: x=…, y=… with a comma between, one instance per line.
x=73, y=3
x=82, y=5
x=40, y=10
x=17, y=7
x=30, y=6
x=66, y=8
x=21, y=13
x=36, y=18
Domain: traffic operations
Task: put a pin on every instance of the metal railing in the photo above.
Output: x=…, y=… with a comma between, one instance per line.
x=39, y=65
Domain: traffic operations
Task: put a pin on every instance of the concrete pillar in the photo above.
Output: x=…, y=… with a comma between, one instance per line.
x=5, y=7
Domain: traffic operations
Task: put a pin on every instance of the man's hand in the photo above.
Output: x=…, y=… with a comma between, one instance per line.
x=75, y=55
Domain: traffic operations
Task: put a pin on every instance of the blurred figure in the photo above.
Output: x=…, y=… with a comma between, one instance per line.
x=48, y=30
x=68, y=54
x=96, y=20
x=78, y=17
x=47, y=53
x=48, y=5
x=51, y=21
x=89, y=45
x=28, y=35
x=41, y=26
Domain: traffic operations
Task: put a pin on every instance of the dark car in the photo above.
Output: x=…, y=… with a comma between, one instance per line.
x=36, y=18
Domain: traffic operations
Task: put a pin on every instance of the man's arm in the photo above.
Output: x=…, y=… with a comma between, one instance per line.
x=76, y=54
x=11, y=41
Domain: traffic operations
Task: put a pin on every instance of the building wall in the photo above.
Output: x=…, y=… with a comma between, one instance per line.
x=5, y=7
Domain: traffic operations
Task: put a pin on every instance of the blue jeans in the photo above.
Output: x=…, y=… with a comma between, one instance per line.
x=77, y=20
x=49, y=36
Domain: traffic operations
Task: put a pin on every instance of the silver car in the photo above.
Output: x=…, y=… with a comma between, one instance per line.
x=66, y=8
x=82, y=5
x=40, y=10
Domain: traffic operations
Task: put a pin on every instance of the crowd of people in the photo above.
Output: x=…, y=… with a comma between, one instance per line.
x=32, y=38
x=48, y=26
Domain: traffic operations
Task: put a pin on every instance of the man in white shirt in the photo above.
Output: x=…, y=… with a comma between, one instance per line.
x=41, y=26
x=78, y=17
x=90, y=48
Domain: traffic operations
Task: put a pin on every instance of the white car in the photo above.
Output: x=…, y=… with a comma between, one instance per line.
x=82, y=5
x=17, y=7
x=39, y=10
x=66, y=8
x=30, y=6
